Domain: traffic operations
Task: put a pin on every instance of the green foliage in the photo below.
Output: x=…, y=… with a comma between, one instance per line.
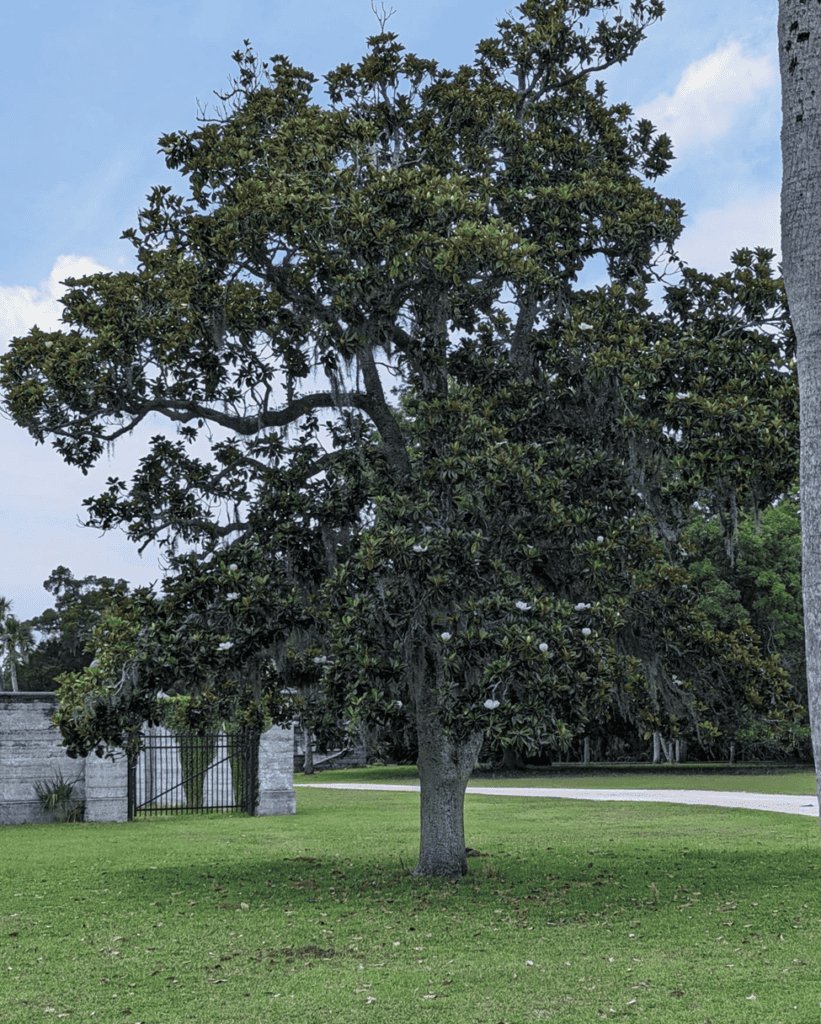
x=759, y=590
x=196, y=749
x=16, y=643
x=57, y=799
x=498, y=552
x=101, y=707
x=64, y=630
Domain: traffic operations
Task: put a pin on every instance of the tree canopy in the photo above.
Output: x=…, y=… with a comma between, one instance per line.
x=64, y=631
x=492, y=545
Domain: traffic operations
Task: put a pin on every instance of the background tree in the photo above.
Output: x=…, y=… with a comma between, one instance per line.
x=762, y=587
x=16, y=643
x=799, y=49
x=482, y=560
x=64, y=630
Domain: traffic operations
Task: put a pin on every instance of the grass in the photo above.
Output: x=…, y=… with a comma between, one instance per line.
x=576, y=912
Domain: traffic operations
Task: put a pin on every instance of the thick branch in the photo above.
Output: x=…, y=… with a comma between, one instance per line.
x=183, y=412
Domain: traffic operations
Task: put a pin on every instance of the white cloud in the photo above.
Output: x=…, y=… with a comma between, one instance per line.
x=710, y=94
x=22, y=307
x=713, y=235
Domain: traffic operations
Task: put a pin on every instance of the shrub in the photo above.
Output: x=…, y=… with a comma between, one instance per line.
x=57, y=798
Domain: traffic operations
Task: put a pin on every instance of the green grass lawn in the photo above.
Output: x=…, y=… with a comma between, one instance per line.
x=576, y=912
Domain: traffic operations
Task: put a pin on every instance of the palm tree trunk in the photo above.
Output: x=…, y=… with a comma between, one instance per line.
x=799, y=48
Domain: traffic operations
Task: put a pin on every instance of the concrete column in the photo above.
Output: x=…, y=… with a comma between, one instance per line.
x=276, y=771
x=107, y=787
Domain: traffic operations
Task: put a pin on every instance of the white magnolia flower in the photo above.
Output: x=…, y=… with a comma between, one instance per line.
x=581, y=607
x=231, y=597
x=233, y=566
x=491, y=704
x=321, y=660
x=600, y=539
x=542, y=647
x=585, y=327
x=225, y=645
x=522, y=606
x=399, y=703
x=49, y=344
x=446, y=636
x=419, y=548
x=585, y=632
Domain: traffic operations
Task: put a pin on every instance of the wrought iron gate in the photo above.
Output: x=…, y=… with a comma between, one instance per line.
x=185, y=773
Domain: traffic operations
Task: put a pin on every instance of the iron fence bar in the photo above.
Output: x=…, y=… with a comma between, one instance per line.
x=187, y=778
x=241, y=747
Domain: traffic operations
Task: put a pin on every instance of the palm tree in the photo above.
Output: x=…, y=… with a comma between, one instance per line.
x=5, y=608
x=799, y=32
x=16, y=640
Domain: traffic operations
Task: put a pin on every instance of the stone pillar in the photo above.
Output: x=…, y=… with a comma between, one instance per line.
x=276, y=771
x=30, y=752
x=106, y=787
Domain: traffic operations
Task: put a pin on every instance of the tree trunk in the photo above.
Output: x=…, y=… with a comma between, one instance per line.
x=732, y=752
x=665, y=746
x=13, y=668
x=656, y=747
x=587, y=750
x=308, y=761
x=512, y=760
x=799, y=50
x=444, y=769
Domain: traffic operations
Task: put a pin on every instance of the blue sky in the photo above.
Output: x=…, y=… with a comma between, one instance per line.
x=90, y=86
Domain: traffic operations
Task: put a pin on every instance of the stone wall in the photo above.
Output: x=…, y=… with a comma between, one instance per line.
x=30, y=752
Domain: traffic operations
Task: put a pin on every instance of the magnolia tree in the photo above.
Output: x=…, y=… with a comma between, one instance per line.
x=490, y=548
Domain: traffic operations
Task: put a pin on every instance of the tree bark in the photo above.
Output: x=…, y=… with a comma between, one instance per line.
x=656, y=747
x=587, y=750
x=444, y=766
x=512, y=760
x=799, y=50
x=308, y=760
